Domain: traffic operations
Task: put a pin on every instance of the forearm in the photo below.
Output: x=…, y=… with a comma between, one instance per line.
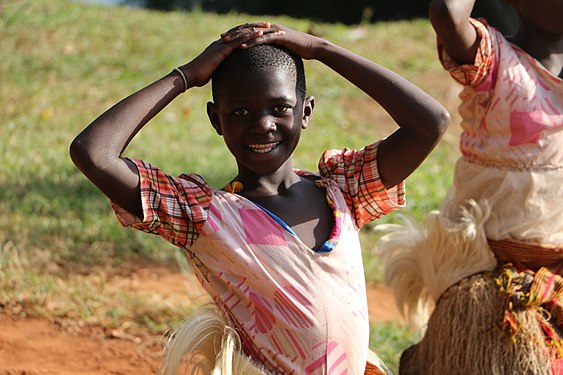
x=97, y=150
x=422, y=119
x=108, y=135
x=410, y=107
x=450, y=20
x=455, y=12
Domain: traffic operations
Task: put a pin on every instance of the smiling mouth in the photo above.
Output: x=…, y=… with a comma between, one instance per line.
x=263, y=148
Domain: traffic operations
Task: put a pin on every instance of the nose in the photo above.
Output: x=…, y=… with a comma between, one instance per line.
x=265, y=124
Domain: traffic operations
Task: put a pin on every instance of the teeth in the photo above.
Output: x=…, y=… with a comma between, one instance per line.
x=263, y=148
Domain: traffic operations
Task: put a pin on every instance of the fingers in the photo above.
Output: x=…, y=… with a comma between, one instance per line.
x=248, y=31
x=266, y=38
x=252, y=34
x=246, y=26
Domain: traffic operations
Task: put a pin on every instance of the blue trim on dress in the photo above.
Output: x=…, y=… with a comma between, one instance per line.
x=326, y=247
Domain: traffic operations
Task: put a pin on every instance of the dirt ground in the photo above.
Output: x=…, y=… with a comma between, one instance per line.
x=39, y=346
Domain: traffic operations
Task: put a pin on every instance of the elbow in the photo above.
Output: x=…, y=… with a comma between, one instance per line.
x=77, y=151
x=82, y=155
x=441, y=122
x=437, y=125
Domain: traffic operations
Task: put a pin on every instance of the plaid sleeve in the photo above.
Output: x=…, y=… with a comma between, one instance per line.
x=471, y=74
x=356, y=173
x=175, y=208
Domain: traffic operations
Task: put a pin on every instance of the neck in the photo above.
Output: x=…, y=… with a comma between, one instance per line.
x=545, y=47
x=257, y=186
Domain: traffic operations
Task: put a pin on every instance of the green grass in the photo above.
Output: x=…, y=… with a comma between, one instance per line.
x=64, y=63
x=386, y=338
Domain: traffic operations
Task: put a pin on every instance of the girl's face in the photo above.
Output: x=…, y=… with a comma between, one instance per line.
x=545, y=15
x=260, y=116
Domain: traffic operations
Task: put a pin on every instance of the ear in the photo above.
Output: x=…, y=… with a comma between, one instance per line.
x=308, y=107
x=214, y=117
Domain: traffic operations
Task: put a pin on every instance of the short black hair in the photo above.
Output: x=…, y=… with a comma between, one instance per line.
x=258, y=58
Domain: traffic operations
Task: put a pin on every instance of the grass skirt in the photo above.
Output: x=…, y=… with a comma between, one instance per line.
x=205, y=344
x=421, y=263
x=466, y=335
x=449, y=265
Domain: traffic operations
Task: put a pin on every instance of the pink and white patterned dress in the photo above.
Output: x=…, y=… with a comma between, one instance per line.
x=512, y=141
x=297, y=311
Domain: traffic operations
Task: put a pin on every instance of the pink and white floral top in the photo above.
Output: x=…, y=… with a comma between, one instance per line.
x=296, y=310
x=512, y=107
x=511, y=144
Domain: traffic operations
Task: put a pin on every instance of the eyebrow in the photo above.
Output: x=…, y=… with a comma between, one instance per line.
x=278, y=99
x=283, y=99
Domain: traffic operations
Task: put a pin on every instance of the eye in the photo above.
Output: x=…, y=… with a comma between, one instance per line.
x=282, y=108
x=241, y=111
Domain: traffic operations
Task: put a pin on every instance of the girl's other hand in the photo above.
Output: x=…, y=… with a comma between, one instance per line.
x=302, y=44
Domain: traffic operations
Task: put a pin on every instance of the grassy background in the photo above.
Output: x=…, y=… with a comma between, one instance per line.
x=64, y=63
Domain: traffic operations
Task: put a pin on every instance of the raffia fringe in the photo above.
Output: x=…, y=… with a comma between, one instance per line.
x=466, y=335
x=206, y=345
x=421, y=263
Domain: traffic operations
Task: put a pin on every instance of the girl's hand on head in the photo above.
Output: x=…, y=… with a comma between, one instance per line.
x=302, y=44
x=245, y=30
x=200, y=69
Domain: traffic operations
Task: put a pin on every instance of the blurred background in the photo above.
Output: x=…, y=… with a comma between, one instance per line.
x=348, y=12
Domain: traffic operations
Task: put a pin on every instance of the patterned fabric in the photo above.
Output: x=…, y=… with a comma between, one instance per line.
x=512, y=122
x=358, y=177
x=471, y=74
x=297, y=311
x=373, y=370
x=182, y=202
x=512, y=107
x=541, y=291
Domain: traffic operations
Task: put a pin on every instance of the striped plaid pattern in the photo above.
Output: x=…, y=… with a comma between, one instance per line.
x=471, y=74
x=174, y=207
x=372, y=370
x=541, y=291
x=357, y=175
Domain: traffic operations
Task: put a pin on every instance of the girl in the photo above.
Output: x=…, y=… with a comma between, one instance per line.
x=277, y=249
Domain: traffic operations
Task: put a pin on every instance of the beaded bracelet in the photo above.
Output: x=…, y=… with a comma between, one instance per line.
x=179, y=71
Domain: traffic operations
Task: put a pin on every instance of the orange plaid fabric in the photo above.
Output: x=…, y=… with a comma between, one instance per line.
x=174, y=207
x=372, y=370
x=357, y=175
x=471, y=74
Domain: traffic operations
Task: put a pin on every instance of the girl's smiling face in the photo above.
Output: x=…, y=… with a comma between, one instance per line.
x=260, y=115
